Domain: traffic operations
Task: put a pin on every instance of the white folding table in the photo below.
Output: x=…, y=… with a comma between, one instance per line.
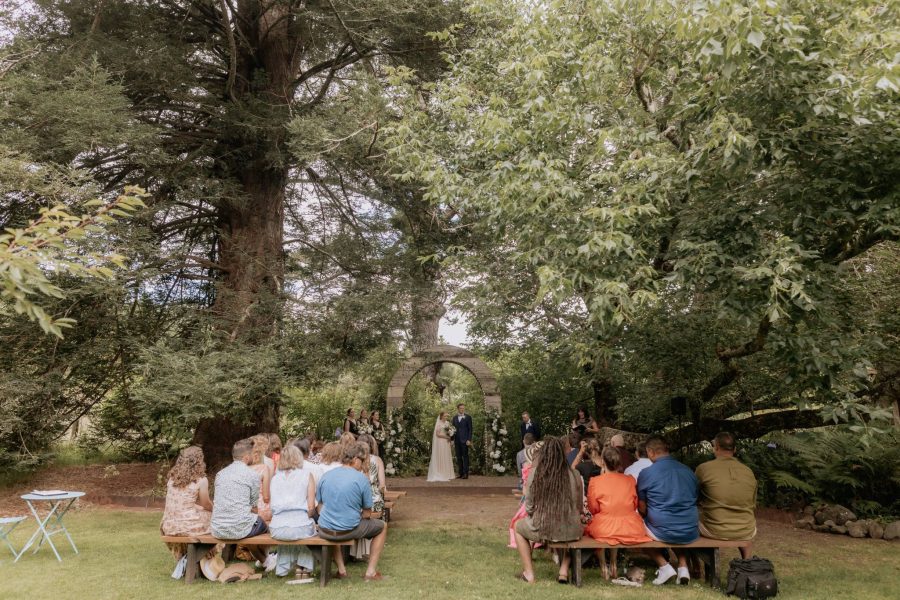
x=52, y=523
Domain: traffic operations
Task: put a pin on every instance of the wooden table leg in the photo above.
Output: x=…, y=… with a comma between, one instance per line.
x=190, y=570
x=325, y=573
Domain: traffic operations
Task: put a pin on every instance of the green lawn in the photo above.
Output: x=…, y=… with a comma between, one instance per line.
x=121, y=557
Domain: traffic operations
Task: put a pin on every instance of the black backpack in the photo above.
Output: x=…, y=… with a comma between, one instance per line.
x=752, y=578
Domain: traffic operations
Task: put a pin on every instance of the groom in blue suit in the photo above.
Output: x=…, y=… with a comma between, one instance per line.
x=462, y=439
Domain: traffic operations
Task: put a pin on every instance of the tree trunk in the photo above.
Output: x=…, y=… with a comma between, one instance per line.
x=604, y=401
x=425, y=318
x=248, y=303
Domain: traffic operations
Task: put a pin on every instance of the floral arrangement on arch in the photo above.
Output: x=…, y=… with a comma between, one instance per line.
x=499, y=441
x=393, y=445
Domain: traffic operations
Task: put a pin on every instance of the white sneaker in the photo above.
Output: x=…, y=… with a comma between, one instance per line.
x=684, y=576
x=271, y=559
x=663, y=574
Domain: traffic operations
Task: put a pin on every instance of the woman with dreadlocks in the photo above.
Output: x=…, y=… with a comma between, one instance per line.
x=553, y=502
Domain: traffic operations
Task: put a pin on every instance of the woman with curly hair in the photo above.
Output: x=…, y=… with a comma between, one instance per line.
x=553, y=503
x=188, y=507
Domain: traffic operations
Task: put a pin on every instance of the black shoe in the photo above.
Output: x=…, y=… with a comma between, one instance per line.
x=464, y=477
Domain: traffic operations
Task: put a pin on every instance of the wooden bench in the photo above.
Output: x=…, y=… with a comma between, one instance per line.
x=390, y=500
x=706, y=549
x=258, y=540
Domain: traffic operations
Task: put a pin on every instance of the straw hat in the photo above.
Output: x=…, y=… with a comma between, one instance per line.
x=212, y=567
x=532, y=450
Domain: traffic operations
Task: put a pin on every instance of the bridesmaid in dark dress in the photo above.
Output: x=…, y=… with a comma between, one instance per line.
x=378, y=431
x=350, y=422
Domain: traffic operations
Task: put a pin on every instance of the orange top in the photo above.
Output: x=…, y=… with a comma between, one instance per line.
x=612, y=499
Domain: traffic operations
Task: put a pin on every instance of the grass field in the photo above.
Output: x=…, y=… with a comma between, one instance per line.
x=122, y=557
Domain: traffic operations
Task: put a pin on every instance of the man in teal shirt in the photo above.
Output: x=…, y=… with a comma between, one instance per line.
x=667, y=498
x=344, y=496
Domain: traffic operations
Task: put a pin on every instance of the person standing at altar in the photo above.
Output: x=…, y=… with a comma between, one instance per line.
x=531, y=426
x=462, y=439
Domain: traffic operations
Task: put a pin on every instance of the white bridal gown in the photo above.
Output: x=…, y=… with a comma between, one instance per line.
x=441, y=466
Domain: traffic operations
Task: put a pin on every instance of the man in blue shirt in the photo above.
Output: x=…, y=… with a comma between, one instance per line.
x=344, y=496
x=667, y=498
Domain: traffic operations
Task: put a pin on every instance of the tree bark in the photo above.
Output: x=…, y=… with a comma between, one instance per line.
x=248, y=303
x=604, y=401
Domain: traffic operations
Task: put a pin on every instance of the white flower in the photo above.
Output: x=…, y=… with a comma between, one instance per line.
x=393, y=432
x=389, y=444
x=499, y=444
x=396, y=450
x=502, y=432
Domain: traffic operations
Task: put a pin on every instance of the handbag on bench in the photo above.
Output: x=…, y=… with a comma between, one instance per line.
x=752, y=578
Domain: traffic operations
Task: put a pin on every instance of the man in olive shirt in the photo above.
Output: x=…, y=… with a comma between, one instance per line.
x=727, y=495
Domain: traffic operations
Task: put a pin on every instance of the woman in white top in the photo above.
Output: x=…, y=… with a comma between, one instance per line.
x=293, y=499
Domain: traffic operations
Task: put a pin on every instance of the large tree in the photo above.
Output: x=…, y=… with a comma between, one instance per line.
x=223, y=97
x=694, y=175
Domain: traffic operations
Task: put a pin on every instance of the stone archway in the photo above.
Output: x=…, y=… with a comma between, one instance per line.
x=440, y=354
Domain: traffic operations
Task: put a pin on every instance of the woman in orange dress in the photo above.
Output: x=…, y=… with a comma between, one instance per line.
x=612, y=500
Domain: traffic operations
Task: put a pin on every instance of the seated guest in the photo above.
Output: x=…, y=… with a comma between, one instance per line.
x=237, y=494
x=612, y=500
x=727, y=495
x=528, y=440
x=347, y=439
x=641, y=463
x=531, y=453
x=553, y=501
x=626, y=459
x=374, y=468
x=188, y=505
x=261, y=464
x=274, y=451
x=667, y=497
x=572, y=445
x=345, y=506
x=331, y=457
x=315, y=449
x=314, y=469
x=293, y=499
x=588, y=462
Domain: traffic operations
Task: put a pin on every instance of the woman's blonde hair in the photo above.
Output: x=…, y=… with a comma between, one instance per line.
x=291, y=458
x=260, y=447
x=274, y=442
x=331, y=453
x=347, y=439
x=189, y=467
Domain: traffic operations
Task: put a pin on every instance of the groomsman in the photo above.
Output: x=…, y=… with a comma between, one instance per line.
x=462, y=439
x=529, y=426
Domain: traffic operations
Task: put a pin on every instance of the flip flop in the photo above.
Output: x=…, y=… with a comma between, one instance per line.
x=376, y=577
x=525, y=579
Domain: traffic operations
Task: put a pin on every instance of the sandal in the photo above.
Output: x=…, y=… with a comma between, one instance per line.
x=562, y=579
x=525, y=579
x=341, y=575
x=376, y=577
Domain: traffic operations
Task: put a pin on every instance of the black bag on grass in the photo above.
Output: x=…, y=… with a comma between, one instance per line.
x=752, y=578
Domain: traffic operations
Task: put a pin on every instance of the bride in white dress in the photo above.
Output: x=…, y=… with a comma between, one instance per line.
x=441, y=466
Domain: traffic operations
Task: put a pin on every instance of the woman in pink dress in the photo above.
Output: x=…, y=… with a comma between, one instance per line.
x=188, y=507
x=530, y=454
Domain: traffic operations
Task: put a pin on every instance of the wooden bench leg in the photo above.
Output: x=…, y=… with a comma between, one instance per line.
x=190, y=570
x=325, y=573
x=715, y=569
x=228, y=552
x=577, y=564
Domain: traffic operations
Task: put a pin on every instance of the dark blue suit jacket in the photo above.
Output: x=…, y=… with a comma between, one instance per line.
x=534, y=429
x=463, y=428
